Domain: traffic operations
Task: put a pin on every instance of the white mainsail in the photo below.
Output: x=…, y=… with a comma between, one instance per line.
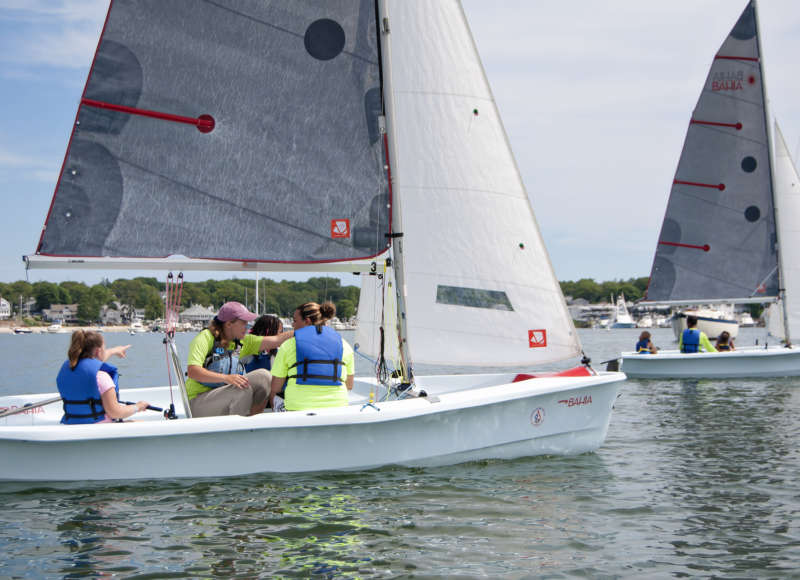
x=484, y=291
x=787, y=204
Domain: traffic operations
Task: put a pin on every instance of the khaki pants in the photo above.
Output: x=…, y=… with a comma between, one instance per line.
x=231, y=400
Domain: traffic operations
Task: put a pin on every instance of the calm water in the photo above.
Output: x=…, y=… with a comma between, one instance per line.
x=696, y=479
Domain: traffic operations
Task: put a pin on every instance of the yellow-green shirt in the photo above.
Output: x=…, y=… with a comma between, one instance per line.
x=201, y=346
x=302, y=397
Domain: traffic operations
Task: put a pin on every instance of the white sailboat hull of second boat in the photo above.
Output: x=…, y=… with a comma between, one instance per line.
x=463, y=418
x=774, y=361
x=713, y=327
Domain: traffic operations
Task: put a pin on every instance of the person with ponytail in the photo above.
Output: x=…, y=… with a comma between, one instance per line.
x=316, y=367
x=217, y=383
x=88, y=385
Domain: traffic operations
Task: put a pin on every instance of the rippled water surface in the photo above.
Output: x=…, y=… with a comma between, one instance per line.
x=696, y=479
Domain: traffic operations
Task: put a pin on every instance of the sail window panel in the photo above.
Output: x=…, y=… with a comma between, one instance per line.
x=473, y=297
x=294, y=147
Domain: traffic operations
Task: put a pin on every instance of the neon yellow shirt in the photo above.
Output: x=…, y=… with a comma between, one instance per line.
x=201, y=346
x=302, y=397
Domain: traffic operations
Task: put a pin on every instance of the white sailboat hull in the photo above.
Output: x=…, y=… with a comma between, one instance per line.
x=463, y=418
x=713, y=327
x=775, y=361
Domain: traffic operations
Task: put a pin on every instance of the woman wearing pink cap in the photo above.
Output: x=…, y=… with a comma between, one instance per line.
x=216, y=384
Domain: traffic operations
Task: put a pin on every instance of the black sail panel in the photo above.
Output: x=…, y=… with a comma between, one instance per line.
x=227, y=129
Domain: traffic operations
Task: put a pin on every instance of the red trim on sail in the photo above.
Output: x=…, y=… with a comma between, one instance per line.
x=204, y=123
x=705, y=247
x=74, y=124
x=737, y=126
x=750, y=58
x=720, y=186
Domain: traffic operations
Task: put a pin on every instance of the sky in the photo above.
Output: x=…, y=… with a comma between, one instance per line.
x=595, y=97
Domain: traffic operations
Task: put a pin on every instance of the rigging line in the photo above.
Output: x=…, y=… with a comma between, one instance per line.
x=280, y=28
x=230, y=204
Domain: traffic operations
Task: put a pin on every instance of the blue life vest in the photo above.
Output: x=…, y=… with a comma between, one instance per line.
x=79, y=392
x=723, y=347
x=691, y=340
x=253, y=362
x=223, y=361
x=642, y=348
x=319, y=356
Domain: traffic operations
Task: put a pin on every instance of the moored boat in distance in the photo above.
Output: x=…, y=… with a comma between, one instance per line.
x=712, y=321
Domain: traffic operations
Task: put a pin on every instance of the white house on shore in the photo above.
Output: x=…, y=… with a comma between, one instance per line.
x=5, y=309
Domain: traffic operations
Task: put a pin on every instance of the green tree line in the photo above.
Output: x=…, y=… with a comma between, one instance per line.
x=274, y=297
x=587, y=288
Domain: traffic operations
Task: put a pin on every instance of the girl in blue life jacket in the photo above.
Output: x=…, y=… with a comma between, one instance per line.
x=217, y=383
x=724, y=342
x=645, y=345
x=265, y=325
x=88, y=385
x=316, y=366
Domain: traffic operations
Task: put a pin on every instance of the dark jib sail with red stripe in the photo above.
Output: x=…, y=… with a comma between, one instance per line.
x=718, y=239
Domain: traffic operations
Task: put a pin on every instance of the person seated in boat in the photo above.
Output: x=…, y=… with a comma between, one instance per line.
x=265, y=325
x=692, y=339
x=317, y=366
x=645, y=345
x=217, y=384
x=724, y=341
x=88, y=385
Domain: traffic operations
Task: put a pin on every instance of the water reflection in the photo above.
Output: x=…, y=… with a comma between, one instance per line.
x=728, y=441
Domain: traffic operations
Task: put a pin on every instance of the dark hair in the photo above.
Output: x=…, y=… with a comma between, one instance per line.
x=82, y=345
x=724, y=337
x=644, y=335
x=691, y=321
x=318, y=314
x=267, y=325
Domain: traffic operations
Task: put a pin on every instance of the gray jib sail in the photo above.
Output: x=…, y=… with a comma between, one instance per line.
x=294, y=91
x=718, y=237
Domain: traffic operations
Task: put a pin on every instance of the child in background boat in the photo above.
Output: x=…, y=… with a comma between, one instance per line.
x=266, y=325
x=88, y=385
x=312, y=385
x=216, y=385
x=645, y=345
x=692, y=340
x=724, y=341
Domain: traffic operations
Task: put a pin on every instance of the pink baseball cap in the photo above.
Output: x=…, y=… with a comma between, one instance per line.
x=234, y=310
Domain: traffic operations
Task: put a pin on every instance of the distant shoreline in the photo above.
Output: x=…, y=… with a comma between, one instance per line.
x=64, y=330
